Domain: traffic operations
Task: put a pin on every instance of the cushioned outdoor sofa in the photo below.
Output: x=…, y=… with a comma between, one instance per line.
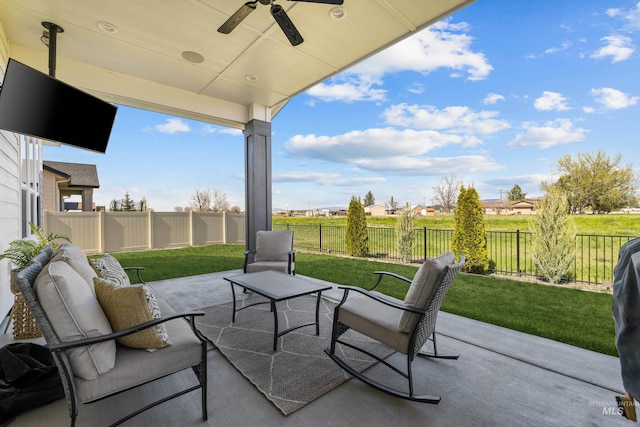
x=106, y=335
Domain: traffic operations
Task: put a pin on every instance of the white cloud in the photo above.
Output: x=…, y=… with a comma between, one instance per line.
x=632, y=18
x=559, y=131
x=382, y=143
x=430, y=166
x=304, y=176
x=173, y=126
x=613, y=99
x=325, y=178
x=231, y=131
x=551, y=101
x=618, y=47
x=416, y=88
x=390, y=151
x=359, y=181
x=564, y=46
x=493, y=98
x=454, y=119
x=612, y=12
x=442, y=45
x=349, y=88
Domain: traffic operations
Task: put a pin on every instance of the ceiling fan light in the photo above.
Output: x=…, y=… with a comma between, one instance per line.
x=107, y=27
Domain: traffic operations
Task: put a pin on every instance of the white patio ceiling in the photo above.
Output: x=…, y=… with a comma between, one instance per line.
x=250, y=73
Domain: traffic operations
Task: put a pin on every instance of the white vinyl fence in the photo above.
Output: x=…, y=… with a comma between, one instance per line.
x=100, y=232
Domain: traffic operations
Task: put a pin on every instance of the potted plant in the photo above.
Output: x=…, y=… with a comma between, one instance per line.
x=21, y=251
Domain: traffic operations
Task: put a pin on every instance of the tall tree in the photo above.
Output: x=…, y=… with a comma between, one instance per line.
x=595, y=182
x=405, y=234
x=446, y=192
x=219, y=201
x=369, y=200
x=357, y=236
x=391, y=205
x=201, y=200
x=127, y=203
x=553, y=240
x=470, y=234
x=516, y=194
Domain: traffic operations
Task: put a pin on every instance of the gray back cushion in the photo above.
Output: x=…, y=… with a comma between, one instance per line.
x=273, y=245
x=422, y=287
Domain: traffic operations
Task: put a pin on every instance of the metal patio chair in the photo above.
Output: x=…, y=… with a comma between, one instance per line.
x=404, y=326
x=274, y=251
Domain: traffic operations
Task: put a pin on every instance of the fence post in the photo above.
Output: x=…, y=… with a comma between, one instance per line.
x=518, y=252
x=424, y=241
x=224, y=227
x=320, y=239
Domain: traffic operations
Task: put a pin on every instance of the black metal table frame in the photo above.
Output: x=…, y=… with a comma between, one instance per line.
x=272, y=301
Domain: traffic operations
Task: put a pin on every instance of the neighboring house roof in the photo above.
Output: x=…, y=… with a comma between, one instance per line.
x=518, y=204
x=80, y=174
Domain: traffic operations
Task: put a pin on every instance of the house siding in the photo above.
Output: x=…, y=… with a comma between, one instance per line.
x=50, y=192
x=9, y=192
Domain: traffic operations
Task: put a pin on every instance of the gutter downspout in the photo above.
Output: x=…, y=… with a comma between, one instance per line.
x=59, y=198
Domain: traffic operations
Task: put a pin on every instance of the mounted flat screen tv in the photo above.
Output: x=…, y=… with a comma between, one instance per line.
x=33, y=103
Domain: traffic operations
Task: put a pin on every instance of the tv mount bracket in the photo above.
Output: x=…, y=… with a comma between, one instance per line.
x=50, y=38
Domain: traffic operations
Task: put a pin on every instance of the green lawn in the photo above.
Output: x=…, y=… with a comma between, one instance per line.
x=610, y=224
x=571, y=316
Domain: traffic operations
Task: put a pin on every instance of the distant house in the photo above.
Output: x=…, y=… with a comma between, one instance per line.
x=519, y=207
x=375, y=210
x=61, y=180
x=421, y=210
x=524, y=207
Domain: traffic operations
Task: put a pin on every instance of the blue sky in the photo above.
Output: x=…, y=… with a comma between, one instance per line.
x=493, y=96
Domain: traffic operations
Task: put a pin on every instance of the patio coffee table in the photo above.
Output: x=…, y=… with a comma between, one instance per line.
x=276, y=286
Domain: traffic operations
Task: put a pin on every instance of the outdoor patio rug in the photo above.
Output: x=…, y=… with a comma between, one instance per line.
x=299, y=371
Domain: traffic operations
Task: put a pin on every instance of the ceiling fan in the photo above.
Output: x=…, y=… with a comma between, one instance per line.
x=278, y=13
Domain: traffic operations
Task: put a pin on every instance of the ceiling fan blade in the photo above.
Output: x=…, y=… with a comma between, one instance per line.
x=322, y=1
x=237, y=17
x=289, y=30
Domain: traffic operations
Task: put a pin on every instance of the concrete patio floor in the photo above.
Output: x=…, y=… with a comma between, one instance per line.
x=502, y=378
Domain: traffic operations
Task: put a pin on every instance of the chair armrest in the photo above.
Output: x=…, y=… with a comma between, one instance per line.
x=292, y=259
x=137, y=270
x=102, y=338
x=382, y=274
x=246, y=259
x=379, y=298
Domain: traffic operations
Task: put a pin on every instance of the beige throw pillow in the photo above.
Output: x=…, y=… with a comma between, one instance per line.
x=110, y=269
x=130, y=306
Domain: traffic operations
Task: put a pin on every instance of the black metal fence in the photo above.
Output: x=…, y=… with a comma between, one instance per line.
x=509, y=251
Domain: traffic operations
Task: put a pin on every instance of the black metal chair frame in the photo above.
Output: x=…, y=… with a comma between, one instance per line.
x=249, y=256
x=25, y=280
x=424, y=331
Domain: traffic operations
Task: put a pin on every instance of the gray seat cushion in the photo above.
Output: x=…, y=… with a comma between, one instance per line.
x=269, y=265
x=135, y=366
x=376, y=320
